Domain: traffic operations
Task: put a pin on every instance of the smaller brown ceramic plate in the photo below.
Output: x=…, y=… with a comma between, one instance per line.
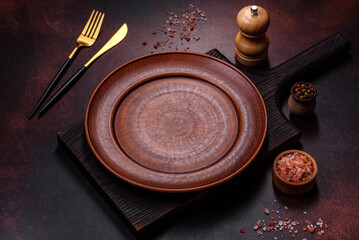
x=175, y=122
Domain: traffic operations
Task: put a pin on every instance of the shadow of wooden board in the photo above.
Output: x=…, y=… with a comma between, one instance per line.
x=144, y=211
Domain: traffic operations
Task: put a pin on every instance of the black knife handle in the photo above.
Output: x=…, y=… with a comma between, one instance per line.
x=63, y=90
x=51, y=86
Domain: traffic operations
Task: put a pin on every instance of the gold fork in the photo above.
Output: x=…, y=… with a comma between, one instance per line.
x=114, y=40
x=90, y=32
x=87, y=38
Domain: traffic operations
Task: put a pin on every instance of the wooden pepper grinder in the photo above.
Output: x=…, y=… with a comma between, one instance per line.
x=252, y=41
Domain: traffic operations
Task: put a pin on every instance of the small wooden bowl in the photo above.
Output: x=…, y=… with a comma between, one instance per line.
x=289, y=187
x=302, y=107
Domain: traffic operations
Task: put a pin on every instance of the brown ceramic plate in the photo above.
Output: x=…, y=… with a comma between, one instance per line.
x=176, y=122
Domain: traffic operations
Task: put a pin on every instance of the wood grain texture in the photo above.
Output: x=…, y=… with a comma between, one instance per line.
x=253, y=23
x=140, y=209
x=144, y=210
x=292, y=188
x=251, y=41
x=43, y=195
x=301, y=109
x=272, y=82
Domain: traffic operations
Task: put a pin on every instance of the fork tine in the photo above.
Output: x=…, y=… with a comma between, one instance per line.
x=91, y=24
x=96, y=30
x=87, y=24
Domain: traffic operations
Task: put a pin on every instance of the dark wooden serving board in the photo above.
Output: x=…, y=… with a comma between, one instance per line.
x=143, y=210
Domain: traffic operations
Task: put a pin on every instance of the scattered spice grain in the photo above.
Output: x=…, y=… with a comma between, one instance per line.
x=185, y=22
x=266, y=211
x=292, y=226
x=311, y=228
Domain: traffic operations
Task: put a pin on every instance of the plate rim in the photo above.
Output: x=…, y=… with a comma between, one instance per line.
x=187, y=189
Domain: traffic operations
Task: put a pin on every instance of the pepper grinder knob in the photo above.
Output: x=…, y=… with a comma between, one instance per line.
x=252, y=41
x=254, y=10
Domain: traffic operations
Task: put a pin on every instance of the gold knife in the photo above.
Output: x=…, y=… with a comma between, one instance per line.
x=115, y=39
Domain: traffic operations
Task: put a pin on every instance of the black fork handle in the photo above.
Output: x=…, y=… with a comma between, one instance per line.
x=62, y=90
x=51, y=86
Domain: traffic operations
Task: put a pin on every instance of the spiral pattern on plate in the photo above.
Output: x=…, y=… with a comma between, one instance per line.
x=180, y=124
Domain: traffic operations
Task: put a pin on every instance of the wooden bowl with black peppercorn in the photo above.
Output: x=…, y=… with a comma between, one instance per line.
x=294, y=172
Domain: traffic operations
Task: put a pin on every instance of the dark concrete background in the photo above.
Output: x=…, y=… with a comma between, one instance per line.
x=44, y=196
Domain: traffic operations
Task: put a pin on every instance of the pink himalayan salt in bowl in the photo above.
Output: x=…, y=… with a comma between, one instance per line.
x=294, y=172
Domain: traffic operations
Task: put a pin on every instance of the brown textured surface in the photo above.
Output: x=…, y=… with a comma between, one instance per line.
x=143, y=216
x=176, y=122
x=43, y=195
x=141, y=210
